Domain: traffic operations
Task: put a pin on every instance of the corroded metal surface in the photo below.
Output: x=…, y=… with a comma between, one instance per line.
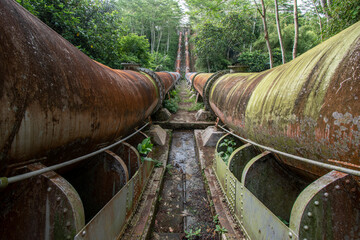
x=189, y=77
x=176, y=75
x=328, y=209
x=98, y=180
x=199, y=81
x=307, y=107
x=187, y=56
x=167, y=79
x=42, y=207
x=110, y=222
x=178, y=57
x=55, y=101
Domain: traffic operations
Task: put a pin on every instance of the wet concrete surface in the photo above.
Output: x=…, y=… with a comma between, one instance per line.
x=183, y=203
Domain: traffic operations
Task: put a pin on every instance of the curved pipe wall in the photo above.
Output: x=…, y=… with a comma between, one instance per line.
x=178, y=58
x=308, y=107
x=199, y=81
x=57, y=102
x=187, y=56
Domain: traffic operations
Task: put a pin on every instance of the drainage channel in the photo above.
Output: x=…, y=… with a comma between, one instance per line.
x=183, y=204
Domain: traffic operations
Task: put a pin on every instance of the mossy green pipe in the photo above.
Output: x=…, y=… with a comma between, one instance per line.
x=308, y=107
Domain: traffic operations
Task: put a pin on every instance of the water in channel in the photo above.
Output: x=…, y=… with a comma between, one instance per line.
x=183, y=205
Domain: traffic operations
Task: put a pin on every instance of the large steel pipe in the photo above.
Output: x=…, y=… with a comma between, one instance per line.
x=187, y=56
x=308, y=107
x=168, y=80
x=199, y=81
x=176, y=76
x=178, y=57
x=189, y=77
x=55, y=101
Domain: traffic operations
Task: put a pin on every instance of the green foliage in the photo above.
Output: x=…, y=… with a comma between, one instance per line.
x=115, y=31
x=343, y=13
x=192, y=234
x=134, y=49
x=145, y=146
x=195, y=107
x=229, y=145
x=216, y=219
x=171, y=105
x=174, y=94
x=220, y=230
x=256, y=61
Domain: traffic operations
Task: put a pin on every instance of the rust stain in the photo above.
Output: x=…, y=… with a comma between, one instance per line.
x=56, y=101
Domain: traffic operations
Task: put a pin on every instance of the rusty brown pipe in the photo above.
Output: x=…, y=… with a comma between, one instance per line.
x=189, y=77
x=178, y=57
x=308, y=107
x=176, y=76
x=187, y=57
x=55, y=101
x=168, y=80
x=199, y=81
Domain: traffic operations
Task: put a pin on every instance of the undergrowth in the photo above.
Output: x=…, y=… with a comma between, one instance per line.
x=172, y=103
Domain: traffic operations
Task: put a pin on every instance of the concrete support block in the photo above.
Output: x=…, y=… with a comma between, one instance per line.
x=211, y=136
x=203, y=115
x=162, y=115
x=158, y=135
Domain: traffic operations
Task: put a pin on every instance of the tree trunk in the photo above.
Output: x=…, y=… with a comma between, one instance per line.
x=325, y=10
x=253, y=30
x=208, y=64
x=263, y=16
x=296, y=25
x=153, y=35
x=158, y=45
x=320, y=23
x=168, y=42
x=279, y=32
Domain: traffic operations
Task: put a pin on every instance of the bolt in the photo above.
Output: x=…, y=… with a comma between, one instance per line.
x=337, y=187
x=306, y=227
x=326, y=194
x=309, y=214
x=316, y=203
x=58, y=199
x=49, y=189
x=65, y=210
x=290, y=235
x=83, y=233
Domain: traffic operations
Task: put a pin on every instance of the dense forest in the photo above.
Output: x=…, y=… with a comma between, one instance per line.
x=263, y=33
x=257, y=33
x=116, y=31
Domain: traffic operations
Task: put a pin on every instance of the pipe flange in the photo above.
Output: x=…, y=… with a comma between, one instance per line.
x=159, y=84
x=192, y=82
x=209, y=83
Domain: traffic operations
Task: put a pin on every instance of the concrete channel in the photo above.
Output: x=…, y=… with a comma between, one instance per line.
x=183, y=204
